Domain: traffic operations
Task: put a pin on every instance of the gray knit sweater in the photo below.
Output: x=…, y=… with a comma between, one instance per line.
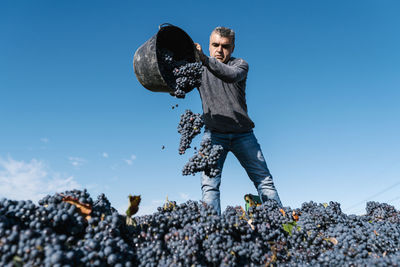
x=222, y=92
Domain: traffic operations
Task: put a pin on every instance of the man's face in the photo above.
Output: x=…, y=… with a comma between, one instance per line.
x=221, y=47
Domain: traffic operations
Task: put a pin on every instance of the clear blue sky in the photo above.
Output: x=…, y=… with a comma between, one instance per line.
x=323, y=91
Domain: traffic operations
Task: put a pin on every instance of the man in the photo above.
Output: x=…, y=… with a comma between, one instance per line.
x=227, y=123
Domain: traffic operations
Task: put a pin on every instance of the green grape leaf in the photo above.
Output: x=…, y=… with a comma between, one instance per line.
x=288, y=227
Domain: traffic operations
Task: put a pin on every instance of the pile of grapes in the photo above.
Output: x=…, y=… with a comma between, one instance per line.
x=182, y=75
x=70, y=229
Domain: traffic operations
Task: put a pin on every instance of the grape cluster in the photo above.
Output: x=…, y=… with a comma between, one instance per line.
x=382, y=211
x=56, y=233
x=189, y=127
x=206, y=159
x=182, y=75
x=102, y=206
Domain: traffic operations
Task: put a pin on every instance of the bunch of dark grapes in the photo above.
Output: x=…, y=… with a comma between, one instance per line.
x=182, y=75
x=206, y=159
x=107, y=241
x=57, y=233
x=189, y=127
x=102, y=206
x=382, y=212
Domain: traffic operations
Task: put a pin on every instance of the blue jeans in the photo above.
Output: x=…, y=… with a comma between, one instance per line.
x=247, y=150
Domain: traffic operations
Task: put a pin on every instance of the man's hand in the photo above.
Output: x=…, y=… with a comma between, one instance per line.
x=198, y=47
x=200, y=52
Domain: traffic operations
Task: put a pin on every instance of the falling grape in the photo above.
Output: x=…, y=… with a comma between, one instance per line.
x=189, y=126
x=206, y=159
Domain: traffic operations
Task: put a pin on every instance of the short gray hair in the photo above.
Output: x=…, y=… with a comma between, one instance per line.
x=225, y=32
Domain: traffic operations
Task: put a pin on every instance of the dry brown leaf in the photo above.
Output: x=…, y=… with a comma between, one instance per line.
x=333, y=240
x=271, y=260
x=295, y=216
x=283, y=212
x=250, y=222
x=250, y=200
x=84, y=209
x=134, y=202
x=243, y=216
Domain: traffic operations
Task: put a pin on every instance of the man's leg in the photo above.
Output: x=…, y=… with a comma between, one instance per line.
x=210, y=185
x=247, y=150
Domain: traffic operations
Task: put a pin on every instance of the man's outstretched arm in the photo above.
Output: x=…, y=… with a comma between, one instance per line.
x=229, y=74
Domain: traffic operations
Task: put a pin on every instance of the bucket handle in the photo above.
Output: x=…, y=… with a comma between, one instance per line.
x=164, y=24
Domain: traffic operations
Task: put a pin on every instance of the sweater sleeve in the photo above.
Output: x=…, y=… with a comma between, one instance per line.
x=228, y=73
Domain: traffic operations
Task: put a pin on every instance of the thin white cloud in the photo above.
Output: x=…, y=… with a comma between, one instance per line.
x=76, y=162
x=44, y=140
x=130, y=160
x=20, y=180
x=105, y=154
x=114, y=167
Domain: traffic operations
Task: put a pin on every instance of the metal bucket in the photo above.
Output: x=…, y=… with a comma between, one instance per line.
x=146, y=62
